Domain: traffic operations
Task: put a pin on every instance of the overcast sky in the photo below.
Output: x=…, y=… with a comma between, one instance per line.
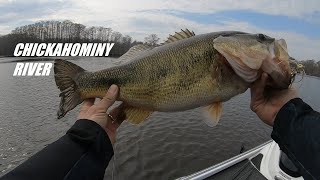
x=297, y=21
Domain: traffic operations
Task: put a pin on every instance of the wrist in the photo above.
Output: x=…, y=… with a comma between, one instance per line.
x=85, y=131
x=285, y=109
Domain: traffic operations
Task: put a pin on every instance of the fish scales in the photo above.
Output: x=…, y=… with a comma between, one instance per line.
x=162, y=80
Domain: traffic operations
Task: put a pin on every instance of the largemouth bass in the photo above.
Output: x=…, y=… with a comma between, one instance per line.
x=187, y=71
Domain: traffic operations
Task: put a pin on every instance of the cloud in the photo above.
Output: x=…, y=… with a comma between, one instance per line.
x=300, y=46
x=4, y=29
x=16, y=13
x=143, y=17
x=293, y=8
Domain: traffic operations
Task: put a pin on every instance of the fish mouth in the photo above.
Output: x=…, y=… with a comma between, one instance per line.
x=277, y=66
x=249, y=59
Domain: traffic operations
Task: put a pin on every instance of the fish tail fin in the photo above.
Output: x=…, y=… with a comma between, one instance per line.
x=65, y=73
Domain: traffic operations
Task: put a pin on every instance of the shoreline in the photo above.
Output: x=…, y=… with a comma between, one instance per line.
x=29, y=59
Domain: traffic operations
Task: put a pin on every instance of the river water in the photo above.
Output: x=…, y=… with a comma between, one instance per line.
x=167, y=146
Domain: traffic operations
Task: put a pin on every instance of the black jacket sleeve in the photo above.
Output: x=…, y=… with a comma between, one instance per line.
x=83, y=153
x=297, y=131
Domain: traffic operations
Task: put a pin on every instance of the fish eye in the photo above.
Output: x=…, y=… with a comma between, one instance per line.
x=262, y=37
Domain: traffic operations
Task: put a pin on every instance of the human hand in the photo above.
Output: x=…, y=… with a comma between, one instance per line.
x=98, y=112
x=266, y=102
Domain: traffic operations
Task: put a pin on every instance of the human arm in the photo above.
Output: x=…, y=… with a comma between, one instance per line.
x=83, y=153
x=295, y=125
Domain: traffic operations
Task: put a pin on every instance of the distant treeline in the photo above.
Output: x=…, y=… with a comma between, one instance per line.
x=65, y=32
x=311, y=67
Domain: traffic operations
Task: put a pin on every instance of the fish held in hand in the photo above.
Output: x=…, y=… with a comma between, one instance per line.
x=186, y=72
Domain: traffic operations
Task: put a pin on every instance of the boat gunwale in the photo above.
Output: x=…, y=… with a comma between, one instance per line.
x=212, y=170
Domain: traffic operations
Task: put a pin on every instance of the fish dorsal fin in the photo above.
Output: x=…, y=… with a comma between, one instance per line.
x=133, y=52
x=136, y=115
x=179, y=36
x=213, y=113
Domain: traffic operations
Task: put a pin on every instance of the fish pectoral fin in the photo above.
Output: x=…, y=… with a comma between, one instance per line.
x=213, y=113
x=136, y=115
x=184, y=34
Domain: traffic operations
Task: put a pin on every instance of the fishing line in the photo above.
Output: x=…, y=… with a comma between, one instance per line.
x=297, y=69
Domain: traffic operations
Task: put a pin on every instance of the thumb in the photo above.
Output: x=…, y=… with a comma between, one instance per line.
x=109, y=98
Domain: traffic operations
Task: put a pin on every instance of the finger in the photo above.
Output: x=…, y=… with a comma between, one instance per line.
x=118, y=113
x=87, y=103
x=112, y=124
x=109, y=98
x=257, y=89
